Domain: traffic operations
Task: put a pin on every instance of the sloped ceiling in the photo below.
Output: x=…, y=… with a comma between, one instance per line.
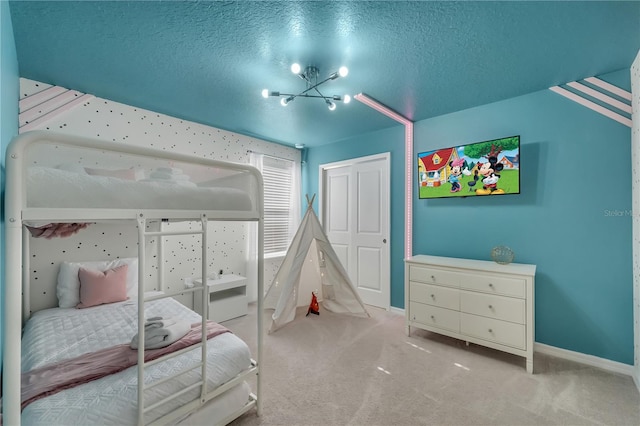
x=208, y=61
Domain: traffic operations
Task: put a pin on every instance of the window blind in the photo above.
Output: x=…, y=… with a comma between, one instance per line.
x=278, y=184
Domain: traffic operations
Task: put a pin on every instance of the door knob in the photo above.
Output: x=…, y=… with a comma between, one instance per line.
x=384, y=241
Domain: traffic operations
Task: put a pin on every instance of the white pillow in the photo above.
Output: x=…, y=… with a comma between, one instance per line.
x=68, y=288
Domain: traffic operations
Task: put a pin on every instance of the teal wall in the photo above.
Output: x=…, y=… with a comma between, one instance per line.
x=9, y=95
x=572, y=218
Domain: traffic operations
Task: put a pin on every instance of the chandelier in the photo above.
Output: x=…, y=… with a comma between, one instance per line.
x=310, y=76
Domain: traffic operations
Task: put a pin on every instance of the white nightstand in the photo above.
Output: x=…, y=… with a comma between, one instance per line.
x=227, y=297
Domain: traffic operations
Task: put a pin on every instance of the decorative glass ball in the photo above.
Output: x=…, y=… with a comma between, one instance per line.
x=502, y=255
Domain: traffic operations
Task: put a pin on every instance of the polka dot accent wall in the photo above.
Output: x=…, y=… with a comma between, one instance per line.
x=96, y=242
x=100, y=118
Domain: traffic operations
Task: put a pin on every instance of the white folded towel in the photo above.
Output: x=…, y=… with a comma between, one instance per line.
x=160, y=332
x=158, y=323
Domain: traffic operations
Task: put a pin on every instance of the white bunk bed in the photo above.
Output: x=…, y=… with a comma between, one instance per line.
x=39, y=191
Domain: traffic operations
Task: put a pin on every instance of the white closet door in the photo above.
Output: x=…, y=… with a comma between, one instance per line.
x=355, y=199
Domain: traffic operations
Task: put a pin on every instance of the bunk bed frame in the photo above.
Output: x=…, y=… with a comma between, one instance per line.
x=17, y=213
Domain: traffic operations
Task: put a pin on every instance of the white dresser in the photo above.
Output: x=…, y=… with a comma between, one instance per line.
x=476, y=301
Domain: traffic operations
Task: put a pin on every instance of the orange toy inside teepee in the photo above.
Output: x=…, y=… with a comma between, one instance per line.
x=314, y=308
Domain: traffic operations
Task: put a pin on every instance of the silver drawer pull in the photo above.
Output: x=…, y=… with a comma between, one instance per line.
x=491, y=307
x=490, y=331
x=491, y=285
x=432, y=317
x=433, y=296
x=433, y=277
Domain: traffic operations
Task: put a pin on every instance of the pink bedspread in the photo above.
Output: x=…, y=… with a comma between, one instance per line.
x=51, y=379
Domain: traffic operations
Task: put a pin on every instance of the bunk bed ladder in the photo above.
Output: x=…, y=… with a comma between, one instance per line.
x=202, y=383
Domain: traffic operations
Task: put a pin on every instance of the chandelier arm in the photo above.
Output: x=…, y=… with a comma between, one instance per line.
x=316, y=85
x=303, y=95
x=305, y=78
x=315, y=96
x=316, y=89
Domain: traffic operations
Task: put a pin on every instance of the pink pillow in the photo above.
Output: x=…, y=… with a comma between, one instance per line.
x=97, y=288
x=128, y=174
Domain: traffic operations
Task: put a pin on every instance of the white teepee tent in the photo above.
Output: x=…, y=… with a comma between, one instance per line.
x=311, y=264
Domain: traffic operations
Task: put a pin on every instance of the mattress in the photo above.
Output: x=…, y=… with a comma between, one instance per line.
x=55, y=188
x=56, y=334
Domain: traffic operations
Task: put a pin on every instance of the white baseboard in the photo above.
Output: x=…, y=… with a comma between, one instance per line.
x=590, y=360
x=395, y=310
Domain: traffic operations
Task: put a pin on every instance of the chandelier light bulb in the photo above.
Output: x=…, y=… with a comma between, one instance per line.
x=285, y=101
x=295, y=68
x=343, y=71
x=265, y=93
x=331, y=106
x=346, y=99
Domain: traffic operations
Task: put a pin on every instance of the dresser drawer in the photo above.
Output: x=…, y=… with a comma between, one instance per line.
x=434, y=295
x=434, y=316
x=434, y=276
x=502, y=332
x=488, y=305
x=504, y=286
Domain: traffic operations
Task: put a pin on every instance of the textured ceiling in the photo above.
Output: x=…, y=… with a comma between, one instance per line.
x=208, y=61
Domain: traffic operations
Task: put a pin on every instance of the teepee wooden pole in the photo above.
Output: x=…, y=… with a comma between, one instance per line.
x=310, y=202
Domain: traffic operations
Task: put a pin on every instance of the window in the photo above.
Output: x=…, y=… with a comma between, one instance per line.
x=281, y=201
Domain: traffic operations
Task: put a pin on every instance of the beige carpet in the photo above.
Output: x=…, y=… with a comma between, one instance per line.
x=339, y=370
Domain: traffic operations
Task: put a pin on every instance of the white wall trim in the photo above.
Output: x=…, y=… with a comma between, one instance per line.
x=397, y=311
x=635, y=206
x=352, y=161
x=591, y=105
x=322, y=168
x=609, y=87
x=36, y=99
x=590, y=360
x=30, y=120
x=601, y=96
